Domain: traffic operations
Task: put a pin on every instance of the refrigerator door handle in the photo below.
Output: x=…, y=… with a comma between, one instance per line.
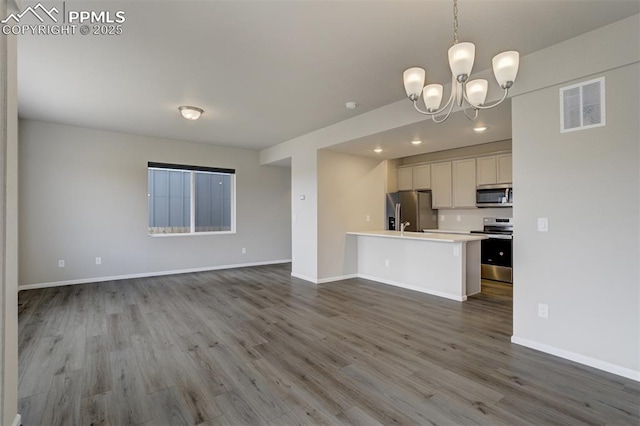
x=397, y=216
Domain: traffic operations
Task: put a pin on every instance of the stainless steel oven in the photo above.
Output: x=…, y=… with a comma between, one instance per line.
x=497, y=251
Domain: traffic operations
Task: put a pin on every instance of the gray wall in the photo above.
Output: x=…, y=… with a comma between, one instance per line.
x=83, y=194
x=350, y=188
x=586, y=268
x=8, y=226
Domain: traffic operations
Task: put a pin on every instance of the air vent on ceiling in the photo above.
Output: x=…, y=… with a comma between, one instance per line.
x=582, y=106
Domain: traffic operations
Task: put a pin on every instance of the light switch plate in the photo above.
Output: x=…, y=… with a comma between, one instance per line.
x=543, y=224
x=543, y=310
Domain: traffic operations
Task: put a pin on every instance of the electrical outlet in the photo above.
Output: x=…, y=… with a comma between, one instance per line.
x=441, y=218
x=60, y=263
x=368, y=218
x=458, y=218
x=244, y=250
x=456, y=251
x=386, y=263
x=543, y=224
x=543, y=310
x=98, y=261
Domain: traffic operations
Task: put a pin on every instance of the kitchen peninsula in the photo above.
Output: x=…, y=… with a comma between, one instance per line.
x=445, y=265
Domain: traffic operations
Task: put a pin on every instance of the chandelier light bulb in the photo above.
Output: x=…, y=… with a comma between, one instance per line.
x=477, y=91
x=432, y=95
x=461, y=57
x=413, y=82
x=505, y=68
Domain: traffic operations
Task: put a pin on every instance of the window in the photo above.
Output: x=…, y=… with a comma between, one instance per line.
x=190, y=199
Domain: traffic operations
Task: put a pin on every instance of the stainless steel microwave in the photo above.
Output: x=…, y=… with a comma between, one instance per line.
x=494, y=195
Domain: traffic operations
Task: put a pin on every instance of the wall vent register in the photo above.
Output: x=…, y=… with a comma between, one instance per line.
x=582, y=106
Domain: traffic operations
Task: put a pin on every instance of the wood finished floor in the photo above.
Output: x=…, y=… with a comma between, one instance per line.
x=255, y=346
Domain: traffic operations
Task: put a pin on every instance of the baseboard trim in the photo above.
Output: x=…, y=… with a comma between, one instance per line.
x=410, y=287
x=324, y=280
x=147, y=274
x=17, y=421
x=337, y=278
x=579, y=358
x=304, y=277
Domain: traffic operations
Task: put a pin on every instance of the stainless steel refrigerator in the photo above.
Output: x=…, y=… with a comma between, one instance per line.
x=413, y=207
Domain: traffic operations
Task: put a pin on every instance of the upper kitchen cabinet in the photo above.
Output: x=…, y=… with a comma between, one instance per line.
x=505, y=170
x=494, y=169
x=405, y=179
x=464, y=183
x=418, y=177
x=422, y=177
x=441, y=185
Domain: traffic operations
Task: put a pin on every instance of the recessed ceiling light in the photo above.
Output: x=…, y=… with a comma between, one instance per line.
x=190, y=112
x=377, y=150
x=416, y=142
x=351, y=105
x=480, y=129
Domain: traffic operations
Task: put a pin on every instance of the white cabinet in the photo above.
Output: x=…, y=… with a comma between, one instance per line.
x=505, y=168
x=422, y=177
x=487, y=170
x=453, y=183
x=418, y=177
x=464, y=183
x=441, y=185
x=494, y=169
x=405, y=179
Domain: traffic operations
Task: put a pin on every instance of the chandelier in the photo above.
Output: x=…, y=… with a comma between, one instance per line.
x=463, y=91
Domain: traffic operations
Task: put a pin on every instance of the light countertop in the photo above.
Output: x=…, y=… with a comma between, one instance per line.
x=440, y=237
x=446, y=231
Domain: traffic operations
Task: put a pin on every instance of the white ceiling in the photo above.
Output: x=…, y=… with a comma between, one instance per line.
x=268, y=71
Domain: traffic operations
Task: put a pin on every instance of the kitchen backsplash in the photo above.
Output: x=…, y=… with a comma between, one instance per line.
x=469, y=219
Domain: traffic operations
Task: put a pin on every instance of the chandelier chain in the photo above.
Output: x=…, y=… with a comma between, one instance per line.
x=455, y=21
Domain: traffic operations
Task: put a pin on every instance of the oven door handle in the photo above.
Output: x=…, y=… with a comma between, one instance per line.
x=499, y=236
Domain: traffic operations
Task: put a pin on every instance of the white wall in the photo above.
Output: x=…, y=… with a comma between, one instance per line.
x=83, y=194
x=304, y=215
x=586, y=267
x=349, y=189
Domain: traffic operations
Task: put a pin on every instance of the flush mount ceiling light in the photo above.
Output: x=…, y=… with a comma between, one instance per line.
x=377, y=150
x=416, y=142
x=351, y=105
x=190, y=112
x=472, y=93
x=480, y=129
